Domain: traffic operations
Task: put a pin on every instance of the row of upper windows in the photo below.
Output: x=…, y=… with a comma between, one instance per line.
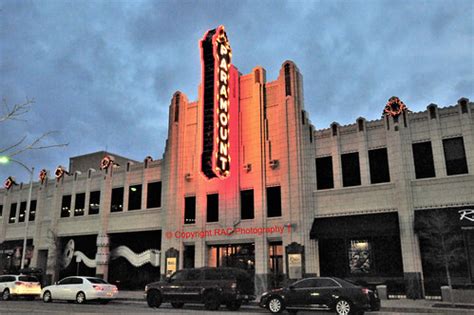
x=246, y=205
x=116, y=205
x=454, y=153
x=12, y=218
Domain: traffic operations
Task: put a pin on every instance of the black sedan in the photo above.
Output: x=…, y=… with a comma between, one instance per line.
x=320, y=293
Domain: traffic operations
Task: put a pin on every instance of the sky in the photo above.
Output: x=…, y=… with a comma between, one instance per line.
x=102, y=73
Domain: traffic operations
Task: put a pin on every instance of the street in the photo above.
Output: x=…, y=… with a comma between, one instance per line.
x=129, y=307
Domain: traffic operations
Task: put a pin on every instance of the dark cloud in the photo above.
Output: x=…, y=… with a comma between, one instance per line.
x=103, y=73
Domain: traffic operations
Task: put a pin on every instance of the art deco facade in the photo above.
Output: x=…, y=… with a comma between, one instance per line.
x=291, y=201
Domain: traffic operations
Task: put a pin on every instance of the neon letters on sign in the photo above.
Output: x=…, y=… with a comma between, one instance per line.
x=216, y=60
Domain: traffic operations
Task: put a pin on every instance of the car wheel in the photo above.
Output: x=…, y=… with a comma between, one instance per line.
x=47, y=297
x=275, y=305
x=6, y=295
x=153, y=298
x=80, y=298
x=234, y=305
x=177, y=305
x=343, y=307
x=211, y=301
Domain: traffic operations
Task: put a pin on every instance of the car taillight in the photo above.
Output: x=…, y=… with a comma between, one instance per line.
x=18, y=283
x=98, y=287
x=234, y=285
x=365, y=291
x=115, y=289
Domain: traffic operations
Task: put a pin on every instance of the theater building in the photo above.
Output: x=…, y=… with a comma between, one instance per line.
x=247, y=181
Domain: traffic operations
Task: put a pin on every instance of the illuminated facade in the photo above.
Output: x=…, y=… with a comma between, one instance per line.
x=246, y=181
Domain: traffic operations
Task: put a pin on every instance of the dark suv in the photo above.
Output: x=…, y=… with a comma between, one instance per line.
x=209, y=286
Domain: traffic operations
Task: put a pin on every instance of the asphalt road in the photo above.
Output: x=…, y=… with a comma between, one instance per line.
x=128, y=307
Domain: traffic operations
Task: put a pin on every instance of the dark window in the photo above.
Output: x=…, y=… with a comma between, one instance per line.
x=350, y=169
x=32, y=210
x=21, y=217
x=311, y=134
x=455, y=156
x=117, y=200
x=153, y=199
x=94, y=202
x=79, y=206
x=334, y=129
x=274, y=201
x=303, y=118
x=287, y=80
x=190, y=210
x=246, y=204
x=325, y=283
x=213, y=208
x=76, y=281
x=423, y=159
x=305, y=283
x=463, y=103
x=66, y=281
x=324, y=175
x=432, y=110
x=193, y=274
x=1, y=210
x=97, y=281
x=176, y=108
x=66, y=206
x=360, y=124
x=135, y=197
x=379, y=170
x=28, y=279
x=12, y=217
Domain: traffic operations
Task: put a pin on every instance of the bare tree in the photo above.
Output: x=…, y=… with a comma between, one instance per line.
x=442, y=244
x=17, y=112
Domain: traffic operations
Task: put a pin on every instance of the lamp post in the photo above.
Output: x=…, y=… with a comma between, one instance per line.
x=4, y=160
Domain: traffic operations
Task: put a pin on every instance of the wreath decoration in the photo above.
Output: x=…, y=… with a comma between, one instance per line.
x=106, y=162
x=394, y=107
x=9, y=182
x=42, y=175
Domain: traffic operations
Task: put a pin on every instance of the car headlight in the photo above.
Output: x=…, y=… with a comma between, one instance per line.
x=146, y=288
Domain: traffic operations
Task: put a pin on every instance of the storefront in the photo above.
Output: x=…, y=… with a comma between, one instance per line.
x=446, y=240
x=364, y=248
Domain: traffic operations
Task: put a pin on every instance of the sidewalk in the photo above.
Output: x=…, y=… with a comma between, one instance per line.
x=399, y=305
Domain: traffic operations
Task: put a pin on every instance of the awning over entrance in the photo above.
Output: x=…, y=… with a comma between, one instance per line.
x=355, y=226
x=461, y=217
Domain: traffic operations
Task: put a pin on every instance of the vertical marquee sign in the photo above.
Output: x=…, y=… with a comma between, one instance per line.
x=216, y=61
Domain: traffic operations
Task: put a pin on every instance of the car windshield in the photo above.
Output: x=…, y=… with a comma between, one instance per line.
x=97, y=281
x=27, y=279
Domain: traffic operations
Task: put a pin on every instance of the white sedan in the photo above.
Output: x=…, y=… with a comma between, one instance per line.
x=80, y=289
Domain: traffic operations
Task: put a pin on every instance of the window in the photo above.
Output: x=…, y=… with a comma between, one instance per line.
x=97, y=281
x=94, y=202
x=287, y=80
x=77, y=281
x=273, y=201
x=325, y=283
x=193, y=275
x=66, y=206
x=455, y=156
x=117, y=200
x=360, y=257
x=66, y=281
x=423, y=159
x=80, y=204
x=306, y=283
x=1, y=210
x=153, y=199
x=246, y=204
x=190, y=210
x=378, y=162
x=12, y=217
x=350, y=169
x=135, y=197
x=213, y=208
x=21, y=217
x=32, y=210
x=324, y=175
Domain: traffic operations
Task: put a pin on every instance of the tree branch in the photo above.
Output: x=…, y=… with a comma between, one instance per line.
x=35, y=144
x=16, y=111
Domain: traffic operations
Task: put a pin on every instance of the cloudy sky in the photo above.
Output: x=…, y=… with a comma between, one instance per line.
x=102, y=73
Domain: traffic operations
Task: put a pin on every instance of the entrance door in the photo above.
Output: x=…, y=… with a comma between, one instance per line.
x=188, y=256
x=233, y=255
x=275, y=254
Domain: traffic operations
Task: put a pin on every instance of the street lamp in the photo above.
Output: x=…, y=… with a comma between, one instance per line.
x=5, y=160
